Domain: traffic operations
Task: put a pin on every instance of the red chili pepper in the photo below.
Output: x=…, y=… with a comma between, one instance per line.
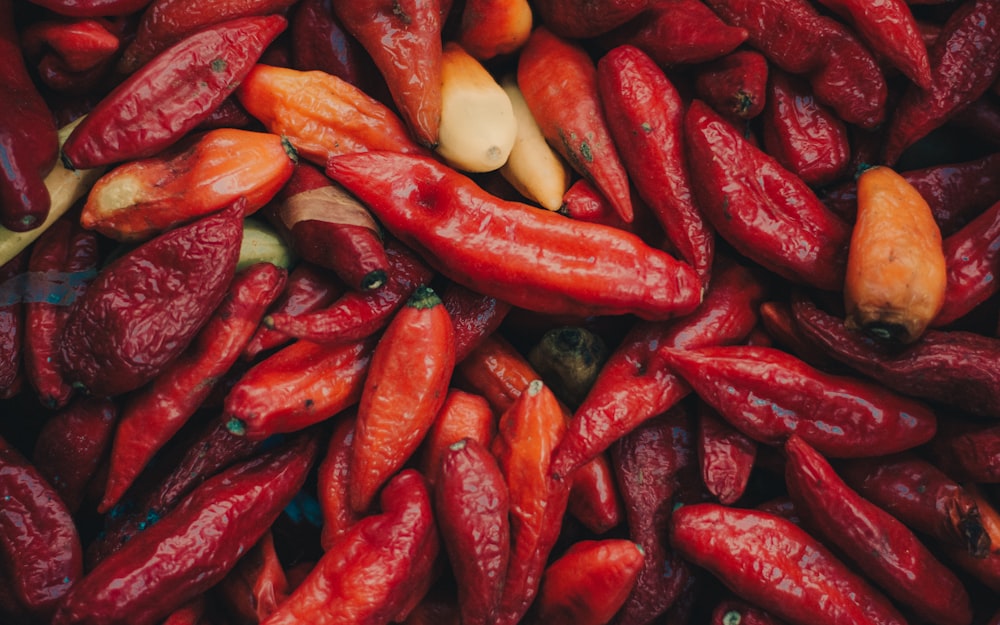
x=559, y=82
x=254, y=588
x=41, y=553
x=971, y=257
x=401, y=398
x=385, y=552
x=735, y=85
x=725, y=454
x=881, y=546
x=168, y=97
x=497, y=371
x=319, y=42
x=593, y=496
x=195, y=546
x=332, y=479
x=12, y=325
x=739, y=612
x=358, y=314
x=29, y=145
x=764, y=211
x=582, y=19
x=645, y=116
x=965, y=61
x=473, y=315
x=63, y=262
x=72, y=444
x=153, y=415
x=72, y=55
x=92, y=8
x=472, y=507
x=768, y=394
x=723, y=540
x=404, y=40
x=968, y=452
x=554, y=265
x=584, y=202
x=463, y=415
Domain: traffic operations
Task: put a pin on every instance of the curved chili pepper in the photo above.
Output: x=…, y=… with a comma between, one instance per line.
x=645, y=115
x=971, y=256
x=723, y=539
x=881, y=546
x=725, y=454
x=735, y=85
x=152, y=416
x=594, y=500
x=968, y=452
x=143, y=309
x=195, y=546
x=463, y=415
x=919, y=494
x=41, y=552
x=92, y=8
x=965, y=61
x=12, y=325
x=29, y=145
x=559, y=82
x=553, y=265
x=472, y=507
x=473, y=315
x=768, y=394
x=332, y=483
x=168, y=97
x=319, y=42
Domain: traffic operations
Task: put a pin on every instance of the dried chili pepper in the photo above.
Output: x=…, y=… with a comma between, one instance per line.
x=735, y=85
x=72, y=55
x=463, y=415
x=968, y=452
x=491, y=28
x=332, y=479
x=884, y=549
x=764, y=211
x=645, y=115
x=984, y=569
x=41, y=552
x=496, y=371
x=585, y=202
x=92, y=8
x=255, y=587
x=153, y=415
x=473, y=315
x=554, y=265
x=582, y=19
x=971, y=256
x=594, y=500
x=193, y=547
x=319, y=42
x=12, y=325
x=559, y=83
x=768, y=394
x=143, y=309
x=725, y=454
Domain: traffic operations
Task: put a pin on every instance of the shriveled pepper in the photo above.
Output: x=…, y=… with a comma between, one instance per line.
x=332, y=482
x=473, y=315
x=582, y=19
x=594, y=499
x=735, y=85
x=319, y=42
x=968, y=451
x=725, y=454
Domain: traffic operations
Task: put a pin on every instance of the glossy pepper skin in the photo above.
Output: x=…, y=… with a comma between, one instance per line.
x=726, y=456
x=170, y=96
x=29, y=145
x=92, y=8
x=548, y=263
x=193, y=547
x=319, y=42
x=971, y=257
x=473, y=315
x=167, y=288
x=883, y=548
x=72, y=56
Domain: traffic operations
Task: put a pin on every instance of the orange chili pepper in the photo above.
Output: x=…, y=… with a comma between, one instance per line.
x=463, y=415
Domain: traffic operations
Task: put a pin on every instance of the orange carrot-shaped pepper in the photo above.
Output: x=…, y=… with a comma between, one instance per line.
x=896, y=272
x=145, y=197
x=406, y=385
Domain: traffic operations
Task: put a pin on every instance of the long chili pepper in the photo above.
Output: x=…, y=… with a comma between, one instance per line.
x=473, y=315
x=725, y=454
x=968, y=452
x=193, y=547
x=332, y=482
x=634, y=383
x=764, y=211
x=921, y=495
x=645, y=115
x=552, y=264
x=883, y=548
x=153, y=415
x=358, y=314
x=12, y=325
x=971, y=256
x=735, y=85
x=722, y=539
x=41, y=552
x=768, y=394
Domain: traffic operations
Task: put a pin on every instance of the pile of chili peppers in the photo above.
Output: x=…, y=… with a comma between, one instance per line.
x=266, y=357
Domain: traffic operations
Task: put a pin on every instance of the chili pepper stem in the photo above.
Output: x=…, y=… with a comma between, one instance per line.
x=424, y=297
x=373, y=280
x=237, y=426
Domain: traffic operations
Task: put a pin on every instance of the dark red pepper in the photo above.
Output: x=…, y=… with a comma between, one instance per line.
x=972, y=255
x=473, y=315
x=968, y=451
x=319, y=42
x=12, y=325
x=92, y=8
x=582, y=19
x=735, y=85
x=725, y=455
x=981, y=118
x=333, y=482
x=74, y=55
x=593, y=496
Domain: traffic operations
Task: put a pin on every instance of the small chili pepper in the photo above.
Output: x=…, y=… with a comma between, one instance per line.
x=491, y=28
x=332, y=479
x=559, y=83
x=153, y=415
x=183, y=85
x=29, y=144
x=41, y=552
x=584, y=202
x=803, y=134
x=739, y=612
x=965, y=61
x=472, y=508
x=971, y=257
x=299, y=385
x=145, y=197
x=319, y=42
x=722, y=539
x=583, y=19
x=768, y=394
x=919, y=494
x=554, y=265
x=463, y=415
x=745, y=194
x=399, y=401
x=404, y=40
x=385, y=550
x=725, y=454
x=72, y=444
x=884, y=549
x=358, y=314
x=677, y=32
x=735, y=85
x=143, y=309
x=92, y=8
x=72, y=55
x=195, y=546
x=496, y=371
x=12, y=325
x=645, y=116
x=593, y=496
x=589, y=582
x=473, y=315
x=255, y=587
x=970, y=453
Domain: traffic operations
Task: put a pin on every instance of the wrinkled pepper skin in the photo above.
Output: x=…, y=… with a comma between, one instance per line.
x=970, y=453
x=144, y=308
x=768, y=394
x=582, y=19
x=726, y=456
x=12, y=331
x=473, y=315
x=72, y=56
x=826, y=592
x=735, y=85
x=547, y=264
x=972, y=259
x=40, y=549
x=884, y=549
x=319, y=42
x=193, y=547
